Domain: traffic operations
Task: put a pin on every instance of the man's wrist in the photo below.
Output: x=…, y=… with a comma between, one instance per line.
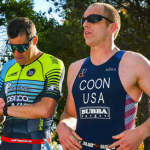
x=144, y=130
x=61, y=126
x=5, y=113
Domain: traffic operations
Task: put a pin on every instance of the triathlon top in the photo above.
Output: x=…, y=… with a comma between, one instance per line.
x=103, y=106
x=25, y=85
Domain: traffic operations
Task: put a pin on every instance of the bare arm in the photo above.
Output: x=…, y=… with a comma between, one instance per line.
x=46, y=106
x=132, y=139
x=69, y=120
x=66, y=128
x=43, y=109
x=69, y=115
x=2, y=117
x=67, y=125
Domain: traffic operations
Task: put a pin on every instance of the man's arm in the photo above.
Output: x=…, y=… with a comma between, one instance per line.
x=2, y=117
x=66, y=129
x=132, y=139
x=43, y=109
x=2, y=96
x=46, y=106
x=67, y=125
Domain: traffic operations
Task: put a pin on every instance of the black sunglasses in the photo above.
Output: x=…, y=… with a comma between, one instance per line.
x=19, y=47
x=93, y=18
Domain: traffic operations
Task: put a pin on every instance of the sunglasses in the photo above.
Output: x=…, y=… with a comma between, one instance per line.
x=93, y=18
x=19, y=47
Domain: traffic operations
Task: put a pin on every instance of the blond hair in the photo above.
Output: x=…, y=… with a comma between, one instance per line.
x=111, y=13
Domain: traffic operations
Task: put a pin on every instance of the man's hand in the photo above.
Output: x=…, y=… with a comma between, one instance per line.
x=128, y=140
x=67, y=137
x=2, y=103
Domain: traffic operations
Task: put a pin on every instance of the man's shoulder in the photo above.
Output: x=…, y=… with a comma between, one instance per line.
x=48, y=57
x=75, y=67
x=6, y=67
x=133, y=54
x=134, y=62
x=77, y=64
x=73, y=71
x=134, y=57
x=50, y=60
x=9, y=64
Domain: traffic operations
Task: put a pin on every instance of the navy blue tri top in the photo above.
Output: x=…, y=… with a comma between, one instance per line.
x=103, y=106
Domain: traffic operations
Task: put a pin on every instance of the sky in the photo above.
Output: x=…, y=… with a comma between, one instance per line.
x=44, y=6
x=40, y=5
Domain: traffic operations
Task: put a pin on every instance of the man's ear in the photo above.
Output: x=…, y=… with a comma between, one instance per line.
x=35, y=40
x=113, y=27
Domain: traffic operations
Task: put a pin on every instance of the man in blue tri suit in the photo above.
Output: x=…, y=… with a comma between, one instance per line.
x=104, y=89
x=30, y=88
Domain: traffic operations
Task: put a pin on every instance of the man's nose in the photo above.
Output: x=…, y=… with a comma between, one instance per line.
x=16, y=52
x=86, y=24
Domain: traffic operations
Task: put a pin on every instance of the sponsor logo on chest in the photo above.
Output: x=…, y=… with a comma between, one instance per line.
x=95, y=112
x=13, y=74
x=31, y=72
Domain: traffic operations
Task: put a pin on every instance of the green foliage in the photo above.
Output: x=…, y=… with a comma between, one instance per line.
x=11, y=8
x=66, y=41
x=134, y=34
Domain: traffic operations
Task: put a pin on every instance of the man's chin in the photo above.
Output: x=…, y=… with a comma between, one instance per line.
x=20, y=63
x=88, y=43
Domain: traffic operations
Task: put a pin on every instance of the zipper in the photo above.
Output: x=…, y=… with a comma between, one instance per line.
x=17, y=84
x=15, y=103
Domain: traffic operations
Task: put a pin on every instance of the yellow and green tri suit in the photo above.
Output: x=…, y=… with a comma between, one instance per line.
x=25, y=85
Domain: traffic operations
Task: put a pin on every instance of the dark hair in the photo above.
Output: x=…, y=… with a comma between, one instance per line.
x=20, y=26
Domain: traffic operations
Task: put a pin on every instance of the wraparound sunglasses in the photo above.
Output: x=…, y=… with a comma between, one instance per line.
x=19, y=47
x=93, y=18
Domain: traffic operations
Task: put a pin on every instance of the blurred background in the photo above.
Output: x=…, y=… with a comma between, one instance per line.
x=60, y=34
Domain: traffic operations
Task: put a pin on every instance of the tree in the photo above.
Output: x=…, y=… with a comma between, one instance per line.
x=134, y=33
x=10, y=9
x=135, y=36
x=66, y=41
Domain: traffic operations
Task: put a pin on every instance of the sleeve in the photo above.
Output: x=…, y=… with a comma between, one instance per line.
x=54, y=79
